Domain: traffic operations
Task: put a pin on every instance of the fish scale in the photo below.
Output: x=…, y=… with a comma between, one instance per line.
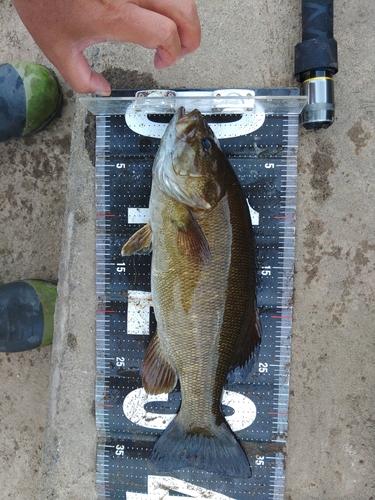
x=201, y=326
x=255, y=403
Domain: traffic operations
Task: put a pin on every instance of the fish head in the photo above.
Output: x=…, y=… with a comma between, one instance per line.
x=190, y=166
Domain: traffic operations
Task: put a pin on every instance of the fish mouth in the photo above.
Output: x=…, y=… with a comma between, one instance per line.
x=186, y=123
x=180, y=113
x=185, y=129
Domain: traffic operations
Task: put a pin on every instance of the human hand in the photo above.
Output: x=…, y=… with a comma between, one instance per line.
x=63, y=29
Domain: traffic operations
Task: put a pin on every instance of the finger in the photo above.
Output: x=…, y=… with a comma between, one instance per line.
x=185, y=15
x=149, y=29
x=146, y=28
x=76, y=71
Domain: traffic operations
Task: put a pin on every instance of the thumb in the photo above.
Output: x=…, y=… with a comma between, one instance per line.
x=77, y=73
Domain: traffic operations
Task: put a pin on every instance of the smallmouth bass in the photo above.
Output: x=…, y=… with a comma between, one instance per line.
x=203, y=278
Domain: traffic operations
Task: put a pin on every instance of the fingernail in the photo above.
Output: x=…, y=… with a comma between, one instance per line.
x=103, y=93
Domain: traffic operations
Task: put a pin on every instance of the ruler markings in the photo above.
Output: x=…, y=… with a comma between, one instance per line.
x=107, y=271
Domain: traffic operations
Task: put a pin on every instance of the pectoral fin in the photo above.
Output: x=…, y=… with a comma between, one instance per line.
x=158, y=375
x=191, y=240
x=140, y=242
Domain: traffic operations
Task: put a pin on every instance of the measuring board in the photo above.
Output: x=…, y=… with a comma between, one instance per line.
x=258, y=131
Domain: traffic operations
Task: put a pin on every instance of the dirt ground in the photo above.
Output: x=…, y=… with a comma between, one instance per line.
x=32, y=193
x=331, y=441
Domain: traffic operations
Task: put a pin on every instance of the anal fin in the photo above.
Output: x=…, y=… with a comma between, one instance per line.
x=158, y=375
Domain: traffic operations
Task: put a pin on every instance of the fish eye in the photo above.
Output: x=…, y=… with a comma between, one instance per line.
x=206, y=143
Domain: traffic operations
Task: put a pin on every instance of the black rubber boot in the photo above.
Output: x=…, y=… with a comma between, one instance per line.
x=26, y=314
x=30, y=96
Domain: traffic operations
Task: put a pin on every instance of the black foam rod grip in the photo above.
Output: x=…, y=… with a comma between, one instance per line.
x=318, y=49
x=317, y=19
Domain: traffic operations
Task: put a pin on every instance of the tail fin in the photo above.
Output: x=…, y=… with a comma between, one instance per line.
x=216, y=451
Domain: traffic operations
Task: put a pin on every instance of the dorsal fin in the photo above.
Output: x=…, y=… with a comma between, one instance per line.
x=247, y=345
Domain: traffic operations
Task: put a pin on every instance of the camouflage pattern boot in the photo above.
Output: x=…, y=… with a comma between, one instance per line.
x=30, y=97
x=27, y=311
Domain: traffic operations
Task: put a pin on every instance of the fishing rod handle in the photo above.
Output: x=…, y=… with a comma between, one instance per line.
x=316, y=63
x=317, y=19
x=318, y=49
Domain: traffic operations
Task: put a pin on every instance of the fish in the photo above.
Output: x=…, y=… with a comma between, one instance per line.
x=203, y=287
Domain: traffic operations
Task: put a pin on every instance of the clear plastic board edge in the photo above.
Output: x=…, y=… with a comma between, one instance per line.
x=249, y=109
x=206, y=101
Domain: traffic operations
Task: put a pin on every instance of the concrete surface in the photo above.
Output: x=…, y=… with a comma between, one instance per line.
x=331, y=442
x=33, y=176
